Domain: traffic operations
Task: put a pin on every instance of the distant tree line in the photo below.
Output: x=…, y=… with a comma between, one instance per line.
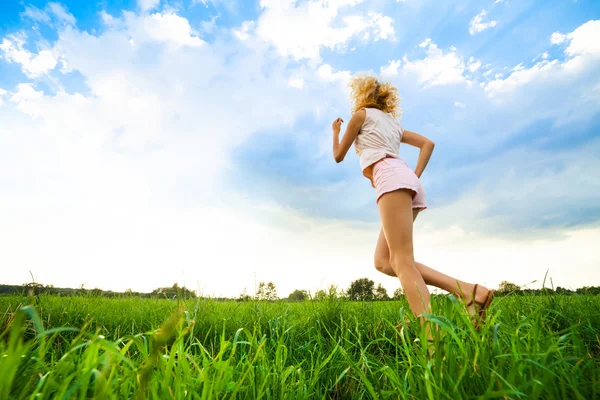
x=34, y=288
x=362, y=289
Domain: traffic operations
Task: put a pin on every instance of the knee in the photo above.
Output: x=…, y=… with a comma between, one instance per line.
x=382, y=265
x=402, y=263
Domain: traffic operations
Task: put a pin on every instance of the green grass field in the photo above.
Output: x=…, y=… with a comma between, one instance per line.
x=545, y=347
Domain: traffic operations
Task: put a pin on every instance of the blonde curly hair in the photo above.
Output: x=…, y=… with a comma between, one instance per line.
x=369, y=92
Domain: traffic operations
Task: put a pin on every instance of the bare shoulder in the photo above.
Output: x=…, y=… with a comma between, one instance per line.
x=359, y=116
x=360, y=113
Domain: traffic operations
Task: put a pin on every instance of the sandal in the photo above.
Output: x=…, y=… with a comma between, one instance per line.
x=482, y=308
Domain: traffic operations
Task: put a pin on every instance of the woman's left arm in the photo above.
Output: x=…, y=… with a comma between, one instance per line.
x=341, y=149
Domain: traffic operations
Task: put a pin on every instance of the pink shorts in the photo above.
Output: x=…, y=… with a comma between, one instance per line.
x=391, y=174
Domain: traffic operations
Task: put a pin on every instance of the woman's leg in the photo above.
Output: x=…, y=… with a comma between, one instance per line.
x=458, y=288
x=395, y=210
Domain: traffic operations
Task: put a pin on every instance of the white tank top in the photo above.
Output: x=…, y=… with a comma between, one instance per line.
x=379, y=137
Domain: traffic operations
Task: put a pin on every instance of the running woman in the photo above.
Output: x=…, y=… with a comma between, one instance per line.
x=400, y=197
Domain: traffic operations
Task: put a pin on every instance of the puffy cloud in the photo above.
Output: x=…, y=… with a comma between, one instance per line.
x=474, y=65
x=546, y=78
x=243, y=32
x=382, y=26
x=557, y=38
x=301, y=30
x=391, y=69
x=584, y=39
x=33, y=65
x=167, y=27
x=438, y=67
x=327, y=74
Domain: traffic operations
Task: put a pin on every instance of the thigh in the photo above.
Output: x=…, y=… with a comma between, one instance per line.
x=396, y=213
x=382, y=252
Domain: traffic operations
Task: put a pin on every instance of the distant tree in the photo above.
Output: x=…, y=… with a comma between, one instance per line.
x=588, y=290
x=398, y=294
x=244, y=296
x=266, y=291
x=562, y=290
x=320, y=295
x=96, y=292
x=361, y=290
x=334, y=292
x=33, y=288
x=174, y=291
x=381, y=293
x=298, y=295
x=508, y=287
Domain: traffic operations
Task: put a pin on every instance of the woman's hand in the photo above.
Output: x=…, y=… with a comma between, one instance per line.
x=352, y=130
x=337, y=125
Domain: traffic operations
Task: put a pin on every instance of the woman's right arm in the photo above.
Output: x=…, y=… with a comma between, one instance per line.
x=426, y=146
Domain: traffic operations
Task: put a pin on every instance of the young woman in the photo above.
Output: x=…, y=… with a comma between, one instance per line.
x=400, y=196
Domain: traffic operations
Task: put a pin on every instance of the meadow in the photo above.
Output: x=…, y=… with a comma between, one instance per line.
x=538, y=347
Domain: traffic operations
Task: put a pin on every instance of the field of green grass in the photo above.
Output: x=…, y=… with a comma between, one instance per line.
x=545, y=347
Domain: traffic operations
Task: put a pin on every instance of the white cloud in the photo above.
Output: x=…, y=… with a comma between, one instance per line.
x=33, y=65
x=584, y=39
x=474, y=65
x=146, y=5
x=108, y=19
x=327, y=74
x=557, y=38
x=243, y=32
x=519, y=67
x=425, y=43
x=438, y=68
x=478, y=25
x=551, y=77
x=300, y=30
x=382, y=26
x=169, y=28
x=391, y=69
x=459, y=104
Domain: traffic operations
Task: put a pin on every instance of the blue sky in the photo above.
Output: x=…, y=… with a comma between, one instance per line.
x=126, y=127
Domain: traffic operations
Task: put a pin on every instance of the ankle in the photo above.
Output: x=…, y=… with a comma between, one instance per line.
x=465, y=291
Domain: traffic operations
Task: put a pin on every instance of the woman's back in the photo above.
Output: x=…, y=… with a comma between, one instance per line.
x=379, y=137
